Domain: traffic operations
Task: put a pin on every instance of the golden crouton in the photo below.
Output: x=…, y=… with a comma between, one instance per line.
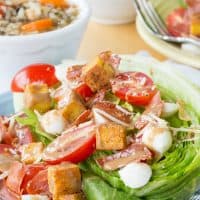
x=110, y=136
x=195, y=25
x=98, y=73
x=37, y=97
x=31, y=152
x=64, y=179
x=77, y=196
x=73, y=107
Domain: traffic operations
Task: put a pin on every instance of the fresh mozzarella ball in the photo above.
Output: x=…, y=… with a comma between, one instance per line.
x=53, y=122
x=34, y=197
x=135, y=175
x=158, y=139
x=169, y=109
x=18, y=101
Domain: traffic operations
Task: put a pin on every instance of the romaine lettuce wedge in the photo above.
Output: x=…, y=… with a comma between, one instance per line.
x=177, y=176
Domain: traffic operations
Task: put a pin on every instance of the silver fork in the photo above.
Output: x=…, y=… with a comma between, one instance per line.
x=156, y=26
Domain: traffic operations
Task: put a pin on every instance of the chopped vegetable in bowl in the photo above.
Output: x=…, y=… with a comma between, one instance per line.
x=20, y=17
x=131, y=132
x=185, y=21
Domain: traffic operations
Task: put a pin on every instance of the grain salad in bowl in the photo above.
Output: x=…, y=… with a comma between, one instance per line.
x=18, y=17
x=66, y=22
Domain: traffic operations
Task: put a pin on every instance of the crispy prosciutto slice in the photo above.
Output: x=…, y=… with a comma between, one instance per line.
x=83, y=117
x=112, y=112
x=98, y=97
x=75, y=82
x=111, y=59
x=6, y=161
x=193, y=3
x=6, y=194
x=134, y=153
x=15, y=177
x=155, y=107
x=74, y=73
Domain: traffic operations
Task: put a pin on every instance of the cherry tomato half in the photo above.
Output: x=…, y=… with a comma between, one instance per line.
x=134, y=87
x=76, y=145
x=84, y=91
x=178, y=23
x=44, y=73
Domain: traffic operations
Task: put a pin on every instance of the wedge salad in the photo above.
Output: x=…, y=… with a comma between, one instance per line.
x=111, y=129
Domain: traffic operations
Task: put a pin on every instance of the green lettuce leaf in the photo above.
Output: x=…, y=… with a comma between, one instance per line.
x=95, y=188
x=177, y=175
x=30, y=119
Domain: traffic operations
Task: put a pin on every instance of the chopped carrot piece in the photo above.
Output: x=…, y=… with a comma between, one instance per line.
x=56, y=3
x=39, y=25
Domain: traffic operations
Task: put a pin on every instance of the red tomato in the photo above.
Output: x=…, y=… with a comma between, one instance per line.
x=30, y=172
x=38, y=184
x=15, y=177
x=84, y=91
x=4, y=148
x=44, y=73
x=77, y=144
x=134, y=87
x=178, y=23
x=155, y=107
x=24, y=135
x=6, y=194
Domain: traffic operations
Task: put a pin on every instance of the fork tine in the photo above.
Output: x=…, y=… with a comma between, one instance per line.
x=145, y=17
x=155, y=24
x=157, y=17
x=145, y=6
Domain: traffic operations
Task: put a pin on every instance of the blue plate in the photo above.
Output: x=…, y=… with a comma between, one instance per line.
x=6, y=104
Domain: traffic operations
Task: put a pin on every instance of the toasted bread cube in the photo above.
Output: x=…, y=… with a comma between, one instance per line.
x=73, y=107
x=110, y=136
x=31, y=152
x=64, y=179
x=98, y=73
x=195, y=25
x=37, y=97
x=76, y=196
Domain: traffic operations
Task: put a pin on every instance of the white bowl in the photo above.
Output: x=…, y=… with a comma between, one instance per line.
x=112, y=11
x=49, y=47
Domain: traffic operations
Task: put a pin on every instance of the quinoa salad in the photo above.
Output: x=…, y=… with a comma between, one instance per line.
x=22, y=17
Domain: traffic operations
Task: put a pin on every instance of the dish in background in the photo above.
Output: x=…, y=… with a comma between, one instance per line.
x=31, y=17
x=112, y=11
x=51, y=47
x=170, y=50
